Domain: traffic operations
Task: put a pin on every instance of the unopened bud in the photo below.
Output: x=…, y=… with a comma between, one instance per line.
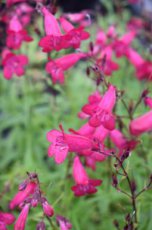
x=88, y=71
x=41, y=226
x=125, y=155
x=133, y=186
x=128, y=217
x=144, y=93
x=114, y=181
x=22, y=186
x=48, y=209
x=91, y=46
x=34, y=202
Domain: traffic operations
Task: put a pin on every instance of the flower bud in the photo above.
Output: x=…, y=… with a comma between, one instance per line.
x=114, y=181
x=22, y=186
x=91, y=46
x=34, y=202
x=133, y=186
x=47, y=208
x=41, y=226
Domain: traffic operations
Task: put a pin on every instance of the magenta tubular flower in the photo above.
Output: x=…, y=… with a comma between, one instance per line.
x=143, y=68
x=144, y=71
x=135, y=24
x=63, y=143
x=135, y=58
x=73, y=36
x=6, y=219
x=121, y=45
x=16, y=34
x=13, y=64
x=53, y=40
x=22, y=195
x=48, y=209
x=57, y=67
x=84, y=185
x=102, y=114
x=21, y=221
x=63, y=223
x=141, y=124
x=24, y=12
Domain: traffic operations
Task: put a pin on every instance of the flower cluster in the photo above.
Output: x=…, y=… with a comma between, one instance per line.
x=30, y=196
x=15, y=21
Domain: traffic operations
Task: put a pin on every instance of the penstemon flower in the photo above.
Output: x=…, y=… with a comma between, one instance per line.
x=6, y=219
x=84, y=185
x=141, y=124
x=57, y=67
x=21, y=221
x=63, y=143
x=101, y=114
x=16, y=34
x=13, y=64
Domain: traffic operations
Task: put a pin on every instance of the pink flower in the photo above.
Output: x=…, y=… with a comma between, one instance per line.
x=135, y=24
x=47, y=208
x=63, y=223
x=73, y=35
x=24, y=13
x=21, y=221
x=57, y=67
x=135, y=58
x=141, y=124
x=84, y=185
x=22, y=195
x=63, y=143
x=144, y=71
x=121, y=45
x=54, y=40
x=13, y=64
x=6, y=219
x=101, y=38
x=143, y=68
x=101, y=114
x=16, y=34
